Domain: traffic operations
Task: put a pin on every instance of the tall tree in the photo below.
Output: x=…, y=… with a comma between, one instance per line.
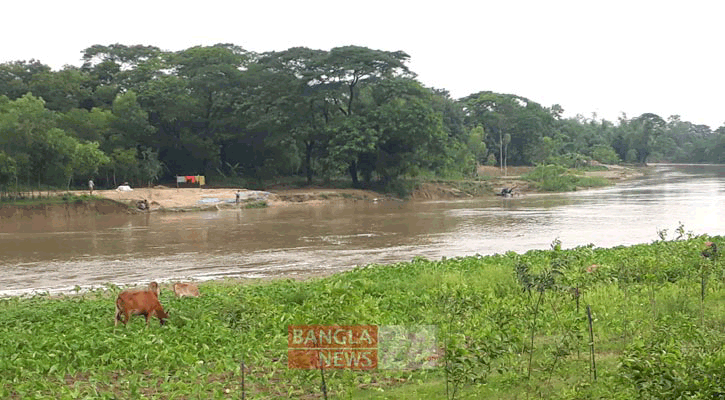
x=62, y=90
x=343, y=73
x=647, y=127
x=500, y=114
x=284, y=99
x=212, y=76
x=16, y=77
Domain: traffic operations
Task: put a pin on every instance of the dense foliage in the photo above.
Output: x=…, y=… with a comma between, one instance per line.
x=508, y=326
x=141, y=114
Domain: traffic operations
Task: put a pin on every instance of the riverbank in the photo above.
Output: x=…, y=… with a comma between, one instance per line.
x=494, y=327
x=490, y=182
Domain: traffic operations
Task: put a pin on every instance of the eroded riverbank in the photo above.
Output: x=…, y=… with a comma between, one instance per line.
x=493, y=180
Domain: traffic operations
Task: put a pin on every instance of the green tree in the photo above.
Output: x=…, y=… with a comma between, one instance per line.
x=150, y=166
x=53, y=157
x=409, y=131
x=123, y=164
x=500, y=114
x=25, y=124
x=506, y=141
x=62, y=90
x=647, y=128
x=477, y=144
x=339, y=78
x=130, y=125
x=8, y=169
x=87, y=158
x=290, y=105
x=16, y=77
x=116, y=68
x=90, y=126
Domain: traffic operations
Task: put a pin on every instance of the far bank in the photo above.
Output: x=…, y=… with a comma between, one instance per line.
x=490, y=181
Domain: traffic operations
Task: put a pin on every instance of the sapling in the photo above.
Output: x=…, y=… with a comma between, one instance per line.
x=540, y=283
x=591, y=342
x=241, y=368
x=709, y=253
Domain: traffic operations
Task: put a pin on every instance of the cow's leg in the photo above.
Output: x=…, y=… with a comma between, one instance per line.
x=118, y=315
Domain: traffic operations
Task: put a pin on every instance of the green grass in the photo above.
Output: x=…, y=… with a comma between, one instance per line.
x=255, y=204
x=59, y=198
x=653, y=336
x=555, y=178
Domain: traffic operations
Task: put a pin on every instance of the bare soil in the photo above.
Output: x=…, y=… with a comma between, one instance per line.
x=162, y=198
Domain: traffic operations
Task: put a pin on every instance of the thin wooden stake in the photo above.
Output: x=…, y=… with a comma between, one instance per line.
x=243, y=389
x=577, y=293
x=591, y=343
x=324, y=385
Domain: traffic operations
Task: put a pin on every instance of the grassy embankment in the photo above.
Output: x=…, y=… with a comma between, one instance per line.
x=49, y=197
x=555, y=178
x=510, y=326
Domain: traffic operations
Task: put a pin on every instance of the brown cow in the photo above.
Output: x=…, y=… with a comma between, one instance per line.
x=141, y=302
x=186, y=289
x=154, y=287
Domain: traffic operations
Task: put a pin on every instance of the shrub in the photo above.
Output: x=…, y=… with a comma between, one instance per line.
x=605, y=154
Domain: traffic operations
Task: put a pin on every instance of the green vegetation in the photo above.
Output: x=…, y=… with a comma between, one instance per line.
x=555, y=178
x=49, y=198
x=143, y=115
x=509, y=326
x=255, y=204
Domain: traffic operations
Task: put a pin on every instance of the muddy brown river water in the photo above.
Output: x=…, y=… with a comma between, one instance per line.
x=60, y=253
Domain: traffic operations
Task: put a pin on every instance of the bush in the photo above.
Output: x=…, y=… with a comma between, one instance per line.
x=569, y=160
x=605, y=154
x=491, y=160
x=556, y=178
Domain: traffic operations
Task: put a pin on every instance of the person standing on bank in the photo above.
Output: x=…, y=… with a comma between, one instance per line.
x=90, y=186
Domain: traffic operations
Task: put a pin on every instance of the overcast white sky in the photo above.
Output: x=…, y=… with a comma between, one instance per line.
x=603, y=57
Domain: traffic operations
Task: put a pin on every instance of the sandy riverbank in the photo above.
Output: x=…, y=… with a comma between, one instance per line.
x=162, y=198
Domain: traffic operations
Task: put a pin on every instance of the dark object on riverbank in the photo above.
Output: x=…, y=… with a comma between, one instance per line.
x=142, y=205
x=507, y=192
x=710, y=250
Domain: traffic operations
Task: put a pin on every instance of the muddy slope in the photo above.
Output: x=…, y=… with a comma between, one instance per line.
x=68, y=210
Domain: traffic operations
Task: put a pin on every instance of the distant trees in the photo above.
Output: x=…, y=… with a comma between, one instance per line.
x=36, y=151
x=141, y=114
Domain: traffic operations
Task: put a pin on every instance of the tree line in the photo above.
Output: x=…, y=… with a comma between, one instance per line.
x=143, y=115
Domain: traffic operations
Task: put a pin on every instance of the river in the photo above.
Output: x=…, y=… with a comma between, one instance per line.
x=301, y=240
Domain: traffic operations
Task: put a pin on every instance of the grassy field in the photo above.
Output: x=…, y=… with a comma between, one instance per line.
x=509, y=326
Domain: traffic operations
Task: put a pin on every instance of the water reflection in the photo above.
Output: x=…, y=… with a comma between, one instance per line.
x=58, y=253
